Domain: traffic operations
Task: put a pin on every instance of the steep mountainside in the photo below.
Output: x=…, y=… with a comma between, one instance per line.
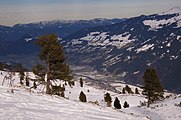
x=128, y=48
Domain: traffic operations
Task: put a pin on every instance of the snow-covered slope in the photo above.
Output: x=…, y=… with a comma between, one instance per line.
x=22, y=105
x=26, y=105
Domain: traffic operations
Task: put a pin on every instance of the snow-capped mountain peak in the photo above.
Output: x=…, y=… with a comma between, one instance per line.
x=173, y=11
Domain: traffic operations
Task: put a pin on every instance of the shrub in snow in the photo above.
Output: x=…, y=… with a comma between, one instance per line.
x=81, y=82
x=82, y=97
x=58, y=90
x=117, y=104
x=88, y=90
x=62, y=94
x=71, y=83
x=94, y=103
x=136, y=91
x=142, y=103
x=126, y=105
x=108, y=99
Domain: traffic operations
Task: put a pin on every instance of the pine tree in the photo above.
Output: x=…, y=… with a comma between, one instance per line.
x=108, y=99
x=21, y=74
x=128, y=89
x=117, y=103
x=123, y=91
x=27, y=79
x=81, y=82
x=52, y=55
x=136, y=91
x=125, y=104
x=152, y=89
x=82, y=97
x=1, y=66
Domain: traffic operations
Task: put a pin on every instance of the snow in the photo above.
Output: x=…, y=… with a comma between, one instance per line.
x=178, y=37
x=96, y=38
x=121, y=40
x=172, y=11
x=102, y=39
x=144, y=48
x=28, y=39
x=112, y=61
x=165, y=110
x=157, y=24
x=136, y=72
x=24, y=104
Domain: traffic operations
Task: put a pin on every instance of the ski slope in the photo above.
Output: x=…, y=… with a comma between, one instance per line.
x=32, y=105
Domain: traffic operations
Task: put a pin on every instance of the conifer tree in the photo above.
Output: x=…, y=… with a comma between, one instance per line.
x=1, y=66
x=81, y=82
x=125, y=104
x=123, y=91
x=82, y=97
x=128, y=89
x=136, y=91
x=108, y=99
x=52, y=55
x=117, y=103
x=21, y=74
x=27, y=79
x=152, y=89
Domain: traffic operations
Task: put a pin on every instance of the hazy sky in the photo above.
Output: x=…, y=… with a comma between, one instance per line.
x=26, y=11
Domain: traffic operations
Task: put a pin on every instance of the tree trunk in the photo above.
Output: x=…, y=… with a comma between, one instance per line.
x=148, y=105
x=48, y=90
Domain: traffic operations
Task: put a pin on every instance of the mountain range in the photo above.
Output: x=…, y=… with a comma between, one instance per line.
x=122, y=47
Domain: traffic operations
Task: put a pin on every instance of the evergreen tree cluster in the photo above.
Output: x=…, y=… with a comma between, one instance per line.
x=129, y=90
x=117, y=104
